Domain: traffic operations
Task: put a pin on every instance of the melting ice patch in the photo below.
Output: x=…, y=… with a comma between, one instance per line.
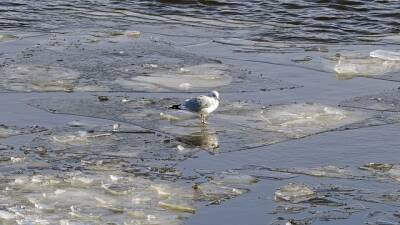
x=93, y=183
x=93, y=198
x=385, y=55
x=70, y=63
x=380, y=64
x=7, y=37
x=193, y=78
x=294, y=120
x=229, y=126
x=5, y=132
x=300, y=203
x=299, y=120
x=77, y=138
x=8, y=131
x=41, y=78
x=348, y=68
x=386, y=101
x=97, y=198
x=294, y=193
x=282, y=122
x=383, y=172
x=99, y=149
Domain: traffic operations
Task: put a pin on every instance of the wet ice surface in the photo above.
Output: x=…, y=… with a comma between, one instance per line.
x=294, y=193
x=349, y=64
x=67, y=175
x=309, y=205
x=92, y=198
x=107, y=169
x=372, y=171
x=115, y=60
x=64, y=144
x=8, y=131
x=385, y=55
x=27, y=78
x=344, y=63
x=334, y=202
x=158, y=173
x=238, y=126
x=386, y=101
x=369, y=67
x=322, y=199
x=235, y=126
x=228, y=131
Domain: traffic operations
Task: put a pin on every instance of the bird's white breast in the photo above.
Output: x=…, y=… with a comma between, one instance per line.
x=213, y=106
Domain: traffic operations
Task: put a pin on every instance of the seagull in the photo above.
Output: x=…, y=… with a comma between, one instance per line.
x=203, y=105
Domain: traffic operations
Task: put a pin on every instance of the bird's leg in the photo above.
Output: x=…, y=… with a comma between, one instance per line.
x=203, y=118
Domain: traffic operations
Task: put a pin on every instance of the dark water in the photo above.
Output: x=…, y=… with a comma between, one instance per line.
x=298, y=21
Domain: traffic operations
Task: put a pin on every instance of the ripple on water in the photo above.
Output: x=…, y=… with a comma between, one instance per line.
x=303, y=21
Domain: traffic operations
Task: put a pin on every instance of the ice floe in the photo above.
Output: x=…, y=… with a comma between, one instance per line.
x=382, y=172
x=116, y=63
x=86, y=195
x=302, y=204
x=229, y=127
x=348, y=68
x=59, y=198
x=298, y=120
x=27, y=78
x=295, y=193
x=386, y=101
x=8, y=131
x=199, y=77
x=7, y=37
x=385, y=55
x=381, y=64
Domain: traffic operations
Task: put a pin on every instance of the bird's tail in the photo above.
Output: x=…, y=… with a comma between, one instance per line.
x=177, y=106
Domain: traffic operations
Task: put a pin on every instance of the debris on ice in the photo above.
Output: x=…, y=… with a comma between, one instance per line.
x=7, y=37
x=166, y=204
x=132, y=34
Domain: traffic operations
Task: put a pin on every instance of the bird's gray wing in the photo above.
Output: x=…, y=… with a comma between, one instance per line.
x=197, y=104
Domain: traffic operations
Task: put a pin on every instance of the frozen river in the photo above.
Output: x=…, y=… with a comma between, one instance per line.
x=306, y=132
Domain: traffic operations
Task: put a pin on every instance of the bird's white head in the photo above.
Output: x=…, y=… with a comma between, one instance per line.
x=214, y=94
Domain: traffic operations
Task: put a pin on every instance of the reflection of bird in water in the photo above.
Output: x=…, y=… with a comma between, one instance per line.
x=202, y=139
x=203, y=105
